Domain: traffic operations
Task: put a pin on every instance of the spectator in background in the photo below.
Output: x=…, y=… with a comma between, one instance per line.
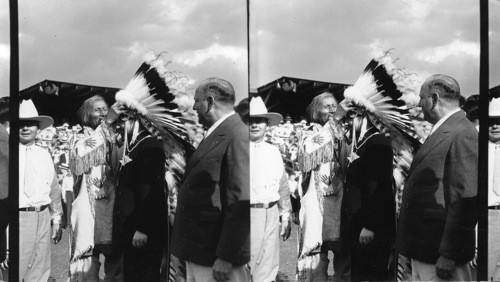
x=494, y=191
x=269, y=195
x=461, y=101
x=39, y=198
x=243, y=109
x=471, y=109
x=4, y=112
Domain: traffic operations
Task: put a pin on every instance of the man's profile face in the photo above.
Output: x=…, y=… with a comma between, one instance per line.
x=494, y=129
x=258, y=127
x=28, y=129
x=201, y=107
x=426, y=102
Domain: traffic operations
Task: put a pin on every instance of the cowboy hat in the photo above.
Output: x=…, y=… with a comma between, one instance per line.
x=258, y=109
x=27, y=111
x=494, y=107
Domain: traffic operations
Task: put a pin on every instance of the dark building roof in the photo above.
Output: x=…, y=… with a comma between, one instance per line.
x=60, y=100
x=495, y=92
x=291, y=96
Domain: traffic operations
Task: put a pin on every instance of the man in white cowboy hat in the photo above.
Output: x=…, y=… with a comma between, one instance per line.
x=39, y=198
x=494, y=190
x=269, y=195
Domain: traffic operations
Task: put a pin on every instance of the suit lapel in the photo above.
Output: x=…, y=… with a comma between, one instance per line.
x=436, y=138
x=211, y=142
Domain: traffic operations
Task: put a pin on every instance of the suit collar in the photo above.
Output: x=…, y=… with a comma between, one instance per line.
x=437, y=137
x=212, y=141
x=217, y=123
x=443, y=119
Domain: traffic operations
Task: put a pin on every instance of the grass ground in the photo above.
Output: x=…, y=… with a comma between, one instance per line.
x=60, y=259
x=288, y=258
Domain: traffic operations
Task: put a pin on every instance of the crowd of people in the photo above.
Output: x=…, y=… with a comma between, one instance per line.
x=388, y=187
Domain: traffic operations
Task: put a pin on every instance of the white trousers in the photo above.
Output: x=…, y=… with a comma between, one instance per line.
x=34, y=245
x=265, y=243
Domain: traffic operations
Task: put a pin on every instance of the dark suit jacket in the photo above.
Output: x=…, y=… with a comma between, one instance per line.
x=213, y=206
x=140, y=203
x=438, y=211
x=371, y=209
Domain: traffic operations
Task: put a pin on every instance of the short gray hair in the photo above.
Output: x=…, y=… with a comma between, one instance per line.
x=446, y=86
x=221, y=90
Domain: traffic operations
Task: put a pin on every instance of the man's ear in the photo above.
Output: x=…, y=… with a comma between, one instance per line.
x=435, y=99
x=210, y=103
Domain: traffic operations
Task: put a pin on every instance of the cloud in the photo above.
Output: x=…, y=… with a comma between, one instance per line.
x=4, y=53
x=103, y=42
x=456, y=48
x=334, y=40
x=418, y=9
x=198, y=57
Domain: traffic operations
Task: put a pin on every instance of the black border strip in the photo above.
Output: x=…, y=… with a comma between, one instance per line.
x=14, y=143
x=482, y=267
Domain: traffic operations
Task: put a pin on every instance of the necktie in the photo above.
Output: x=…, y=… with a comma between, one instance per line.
x=29, y=173
x=496, y=171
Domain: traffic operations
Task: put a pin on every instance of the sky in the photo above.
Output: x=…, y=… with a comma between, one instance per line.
x=334, y=40
x=102, y=43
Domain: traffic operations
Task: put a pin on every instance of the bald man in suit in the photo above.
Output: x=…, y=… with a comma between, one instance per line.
x=212, y=223
x=438, y=212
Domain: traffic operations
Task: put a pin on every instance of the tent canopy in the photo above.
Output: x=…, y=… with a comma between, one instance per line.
x=290, y=96
x=61, y=100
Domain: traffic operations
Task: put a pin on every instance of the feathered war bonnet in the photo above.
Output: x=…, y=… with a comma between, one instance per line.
x=157, y=97
x=385, y=94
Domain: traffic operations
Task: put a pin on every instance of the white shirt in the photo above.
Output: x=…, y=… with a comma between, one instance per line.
x=45, y=177
x=268, y=179
x=493, y=199
x=217, y=123
x=442, y=120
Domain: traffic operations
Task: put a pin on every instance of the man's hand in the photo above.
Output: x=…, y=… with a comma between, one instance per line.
x=445, y=268
x=342, y=109
x=222, y=270
x=56, y=233
x=140, y=239
x=114, y=112
x=286, y=228
x=366, y=236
